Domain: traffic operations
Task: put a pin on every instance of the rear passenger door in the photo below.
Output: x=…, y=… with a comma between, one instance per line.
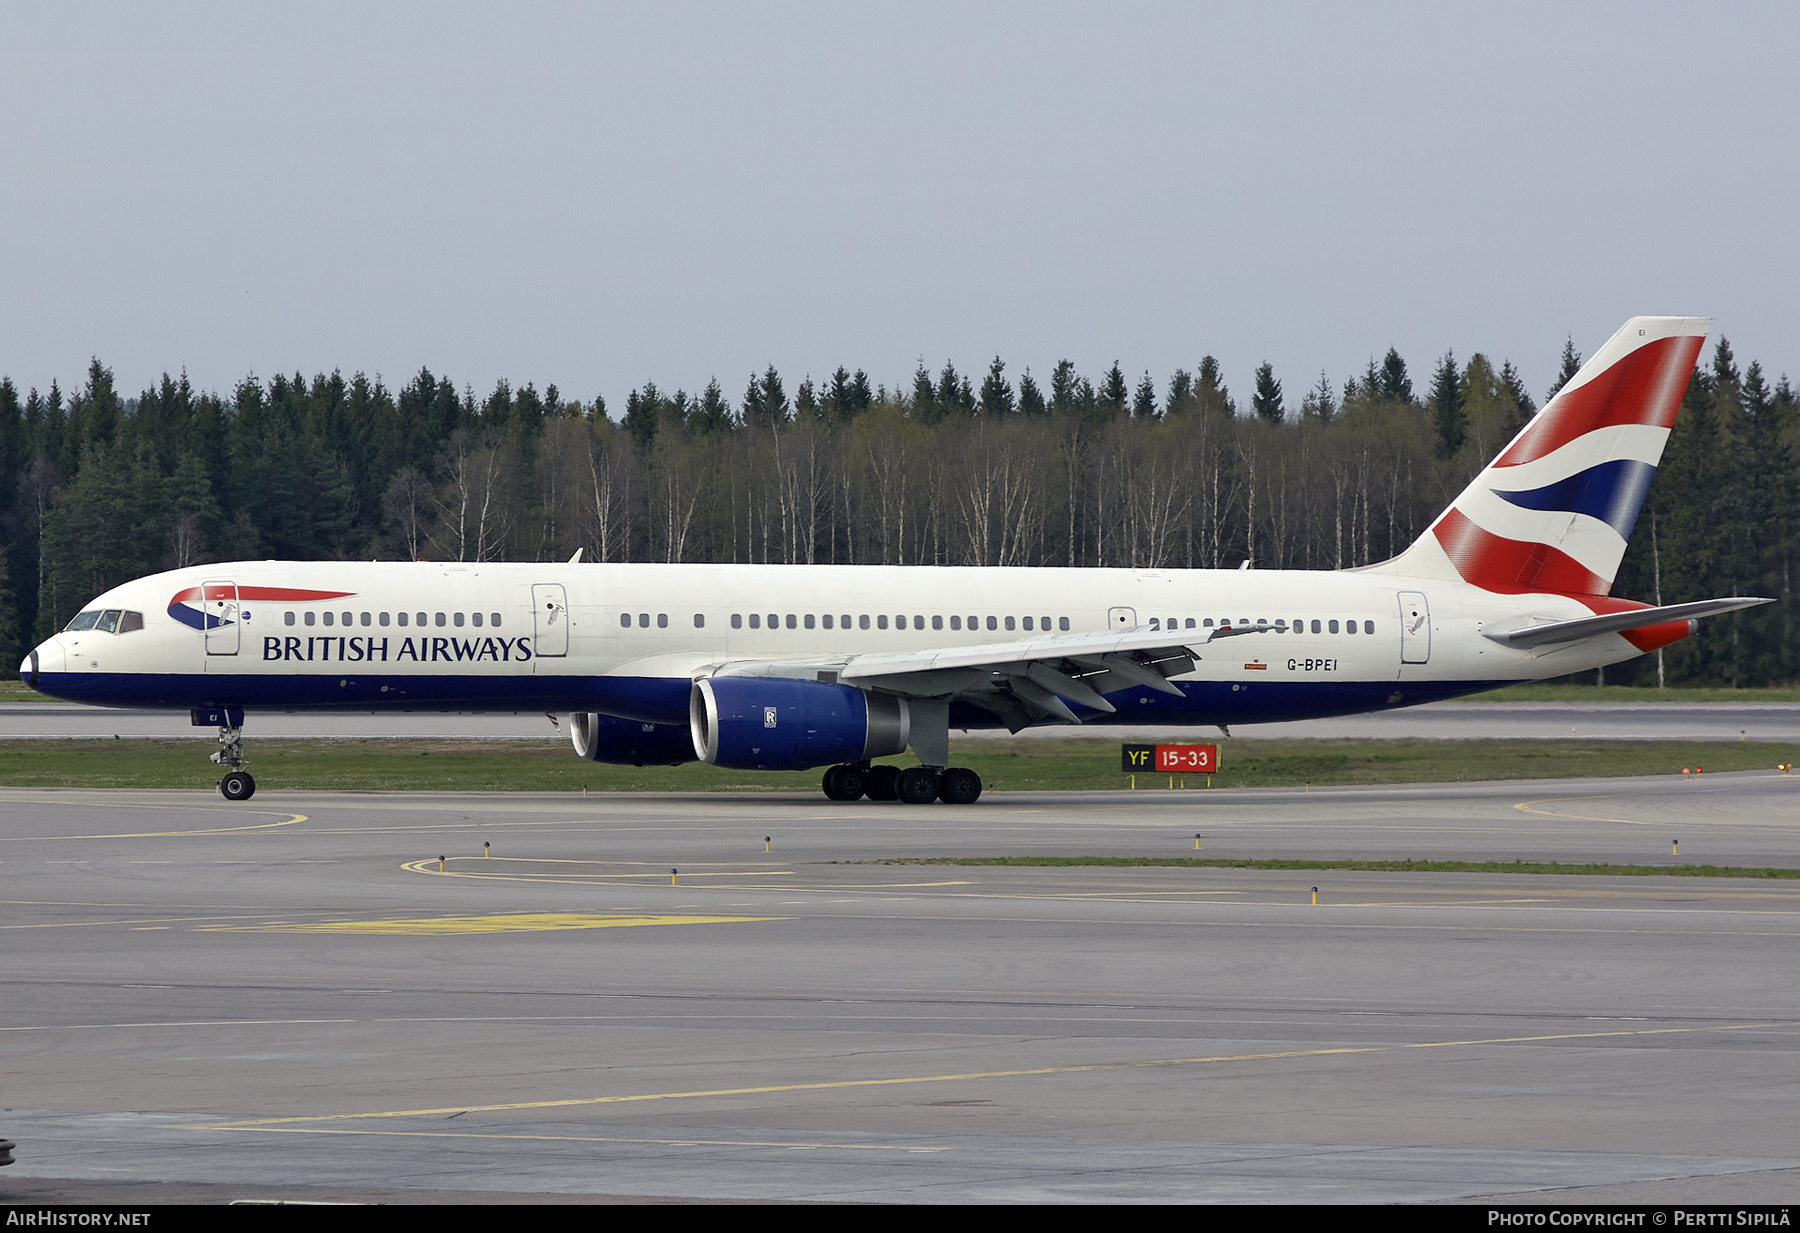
x=1415, y=628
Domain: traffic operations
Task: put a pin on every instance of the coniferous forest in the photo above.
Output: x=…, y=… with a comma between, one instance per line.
x=98, y=486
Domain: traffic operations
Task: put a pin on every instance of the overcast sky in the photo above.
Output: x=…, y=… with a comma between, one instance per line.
x=594, y=195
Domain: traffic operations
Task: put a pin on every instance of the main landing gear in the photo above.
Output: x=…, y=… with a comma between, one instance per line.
x=916, y=785
x=237, y=785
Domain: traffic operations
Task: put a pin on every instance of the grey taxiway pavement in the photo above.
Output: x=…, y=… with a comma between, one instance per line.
x=290, y=998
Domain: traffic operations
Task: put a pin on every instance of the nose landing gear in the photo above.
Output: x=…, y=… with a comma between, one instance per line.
x=237, y=785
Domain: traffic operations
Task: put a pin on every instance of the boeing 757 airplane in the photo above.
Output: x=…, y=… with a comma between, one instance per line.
x=777, y=667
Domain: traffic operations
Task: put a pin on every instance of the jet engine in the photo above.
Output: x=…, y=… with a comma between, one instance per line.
x=627, y=742
x=779, y=724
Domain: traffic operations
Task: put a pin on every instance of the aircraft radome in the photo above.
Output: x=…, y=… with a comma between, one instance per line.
x=789, y=667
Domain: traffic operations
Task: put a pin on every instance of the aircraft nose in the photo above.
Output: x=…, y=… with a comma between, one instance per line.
x=48, y=657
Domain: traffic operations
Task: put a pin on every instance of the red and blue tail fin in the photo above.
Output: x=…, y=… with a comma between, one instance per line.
x=1554, y=510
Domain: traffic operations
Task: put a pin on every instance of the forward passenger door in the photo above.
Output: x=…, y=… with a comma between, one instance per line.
x=549, y=620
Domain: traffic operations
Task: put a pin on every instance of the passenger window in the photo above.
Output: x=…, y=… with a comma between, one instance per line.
x=1207, y=623
x=881, y=621
x=955, y=622
x=845, y=619
x=643, y=620
x=737, y=620
x=311, y=618
x=809, y=620
x=1009, y=622
x=756, y=620
x=1349, y=627
x=699, y=620
x=1332, y=626
x=384, y=619
x=827, y=620
x=1063, y=623
x=862, y=622
x=937, y=622
x=287, y=618
x=774, y=620
x=1315, y=627
x=440, y=620
x=1368, y=627
x=662, y=620
x=625, y=620
x=456, y=619
x=1155, y=623
x=1027, y=622
x=475, y=618
x=366, y=618
x=494, y=620
x=918, y=622
x=790, y=621
x=993, y=623
x=328, y=618
x=420, y=618
x=402, y=617
x=349, y=618
x=1190, y=622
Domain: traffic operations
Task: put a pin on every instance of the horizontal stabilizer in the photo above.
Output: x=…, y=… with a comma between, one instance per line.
x=1617, y=622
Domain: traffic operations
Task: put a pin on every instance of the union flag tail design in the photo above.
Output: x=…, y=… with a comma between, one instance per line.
x=1554, y=510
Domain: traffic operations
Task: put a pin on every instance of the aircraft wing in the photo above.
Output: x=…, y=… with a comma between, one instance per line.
x=1023, y=682
x=1615, y=622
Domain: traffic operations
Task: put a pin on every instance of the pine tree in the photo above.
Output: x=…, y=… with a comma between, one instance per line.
x=1319, y=404
x=1447, y=406
x=996, y=391
x=954, y=392
x=1571, y=364
x=1509, y=377
x=925, y=407
x=1396, y=386
x=1181, y=388
x=1266, y=402
x=1143, y=406
x=1210, y=394
x=1031, y=398
x=1113, y=390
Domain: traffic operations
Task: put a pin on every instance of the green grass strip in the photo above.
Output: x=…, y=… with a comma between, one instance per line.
x=1406, y=866
x=548, y=764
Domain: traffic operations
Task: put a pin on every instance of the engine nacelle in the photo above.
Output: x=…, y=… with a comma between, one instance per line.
x=778, y=724
x=627, y=742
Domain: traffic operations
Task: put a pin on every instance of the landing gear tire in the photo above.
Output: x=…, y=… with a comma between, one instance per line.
x=918, y=785
x=237, y=786
x=845, y=783
x=882, y=785
x=959, y=786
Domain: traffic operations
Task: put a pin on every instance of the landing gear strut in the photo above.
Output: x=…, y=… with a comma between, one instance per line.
x=916, y=785
x=237, y=785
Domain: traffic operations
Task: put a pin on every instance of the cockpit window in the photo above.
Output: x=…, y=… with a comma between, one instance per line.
x=107, y=621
